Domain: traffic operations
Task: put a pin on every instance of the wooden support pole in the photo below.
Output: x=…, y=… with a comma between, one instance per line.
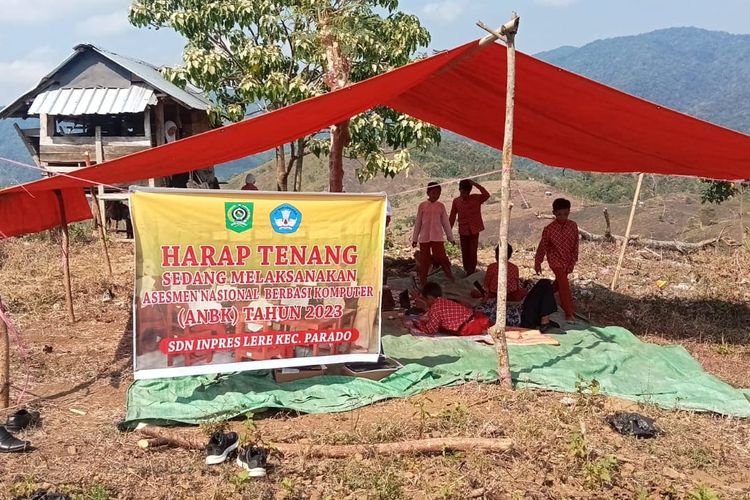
x=627, y=232
x=608, y=229
x=65, y=244
x=509, y=31
x=99, y=218
x=4, y=364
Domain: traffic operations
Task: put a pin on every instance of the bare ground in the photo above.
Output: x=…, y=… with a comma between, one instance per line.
x=559, y=451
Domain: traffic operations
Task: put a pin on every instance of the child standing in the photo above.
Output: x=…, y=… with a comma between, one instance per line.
x=468, y=209
x=431, y=223
x=559, y=244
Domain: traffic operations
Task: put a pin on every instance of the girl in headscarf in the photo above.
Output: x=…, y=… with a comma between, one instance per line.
x=170, y=131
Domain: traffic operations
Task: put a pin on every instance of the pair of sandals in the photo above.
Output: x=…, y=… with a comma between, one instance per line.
x=16, y=422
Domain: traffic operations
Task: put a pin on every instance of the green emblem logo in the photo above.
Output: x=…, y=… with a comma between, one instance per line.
x=239, y=216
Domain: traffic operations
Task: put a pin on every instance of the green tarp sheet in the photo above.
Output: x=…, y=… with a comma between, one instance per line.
x=624, y=366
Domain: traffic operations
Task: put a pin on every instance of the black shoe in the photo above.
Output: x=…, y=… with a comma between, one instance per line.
x=254, y=460
x=9, y=443
x=552, y=326
x=220, y=446
x=21, y=420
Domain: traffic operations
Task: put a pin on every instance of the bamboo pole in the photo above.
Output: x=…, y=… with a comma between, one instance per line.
x=65, y=245
x=627, y=232
x=508, y=31
x=99, y=218
x=4, y=364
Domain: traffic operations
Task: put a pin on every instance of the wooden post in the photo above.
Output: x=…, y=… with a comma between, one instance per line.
x=4, y=364
x=627, y=232
x=509, y=31
x=608, y=229
x=65, y=251
x=99, y=152
x=99, y=218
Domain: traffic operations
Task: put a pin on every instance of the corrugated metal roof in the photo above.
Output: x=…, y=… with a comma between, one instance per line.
x=147, y=73
x=153, y=77
x=98, y=101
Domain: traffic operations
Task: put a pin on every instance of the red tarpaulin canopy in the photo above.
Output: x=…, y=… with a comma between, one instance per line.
x=562, y=120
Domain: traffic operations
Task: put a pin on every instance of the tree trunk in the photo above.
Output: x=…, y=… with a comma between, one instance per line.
x=282, y=176
x=339, y=140
x=299, y=160
x=337, y=70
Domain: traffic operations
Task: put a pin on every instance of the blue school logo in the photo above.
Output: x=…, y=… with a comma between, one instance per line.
x=285, y=219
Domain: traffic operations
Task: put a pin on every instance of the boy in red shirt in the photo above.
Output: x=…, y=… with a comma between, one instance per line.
x=559, y=244
x=449, y=316
x=468, y=209
x=431, y=223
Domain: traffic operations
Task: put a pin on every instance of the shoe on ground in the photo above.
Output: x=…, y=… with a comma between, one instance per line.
x=220, y=446
x=10, y=444
x=254, y=460
x=21, y=420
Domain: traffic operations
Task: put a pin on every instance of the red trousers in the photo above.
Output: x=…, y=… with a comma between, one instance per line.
x=429, y=252
x=562, y=286
x=469, y=249
x=477, y=325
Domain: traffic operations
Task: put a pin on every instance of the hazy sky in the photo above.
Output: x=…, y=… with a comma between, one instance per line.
x=35, y=35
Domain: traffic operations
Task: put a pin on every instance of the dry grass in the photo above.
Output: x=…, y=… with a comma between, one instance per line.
x=560, y=451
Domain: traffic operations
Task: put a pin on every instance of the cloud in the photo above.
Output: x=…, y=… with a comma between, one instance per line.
x=445, y=10
x=36, y=11
x=555, y=3
x=19, y=75
x=104, y=25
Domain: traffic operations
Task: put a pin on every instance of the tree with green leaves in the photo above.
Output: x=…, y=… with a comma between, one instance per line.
x=269, y=54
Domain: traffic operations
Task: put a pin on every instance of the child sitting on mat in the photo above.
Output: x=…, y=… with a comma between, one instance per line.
x=536, y=305
x=447, y=316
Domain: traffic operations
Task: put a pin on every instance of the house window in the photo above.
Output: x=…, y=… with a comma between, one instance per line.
x=120, y=125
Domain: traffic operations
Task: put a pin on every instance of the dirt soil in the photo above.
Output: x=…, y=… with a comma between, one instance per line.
x=78, y=375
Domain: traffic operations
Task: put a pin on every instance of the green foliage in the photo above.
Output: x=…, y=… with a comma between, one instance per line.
x=94, y=492
x=271, y=54
x=453, y=251
x=600, y=472
x=716, y=191
x=23, y=488
x=577, y=447
x=703, y=493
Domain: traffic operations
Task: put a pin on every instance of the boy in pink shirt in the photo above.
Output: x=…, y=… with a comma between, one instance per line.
x=429, y=230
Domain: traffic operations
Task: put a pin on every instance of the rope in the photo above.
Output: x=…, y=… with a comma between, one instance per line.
x=21, y=349
x=446, y=183
x=63, y=174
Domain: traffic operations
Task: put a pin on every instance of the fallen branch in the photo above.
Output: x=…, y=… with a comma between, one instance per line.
x=161, y=437
x=637, y=241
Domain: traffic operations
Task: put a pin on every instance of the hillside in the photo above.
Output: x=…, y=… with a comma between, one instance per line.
x=12, y=148
x=696, y=71
x=699, y=72
x=667, y=212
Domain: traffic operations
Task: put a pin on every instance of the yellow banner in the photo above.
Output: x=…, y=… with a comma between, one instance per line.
x=231, y=281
